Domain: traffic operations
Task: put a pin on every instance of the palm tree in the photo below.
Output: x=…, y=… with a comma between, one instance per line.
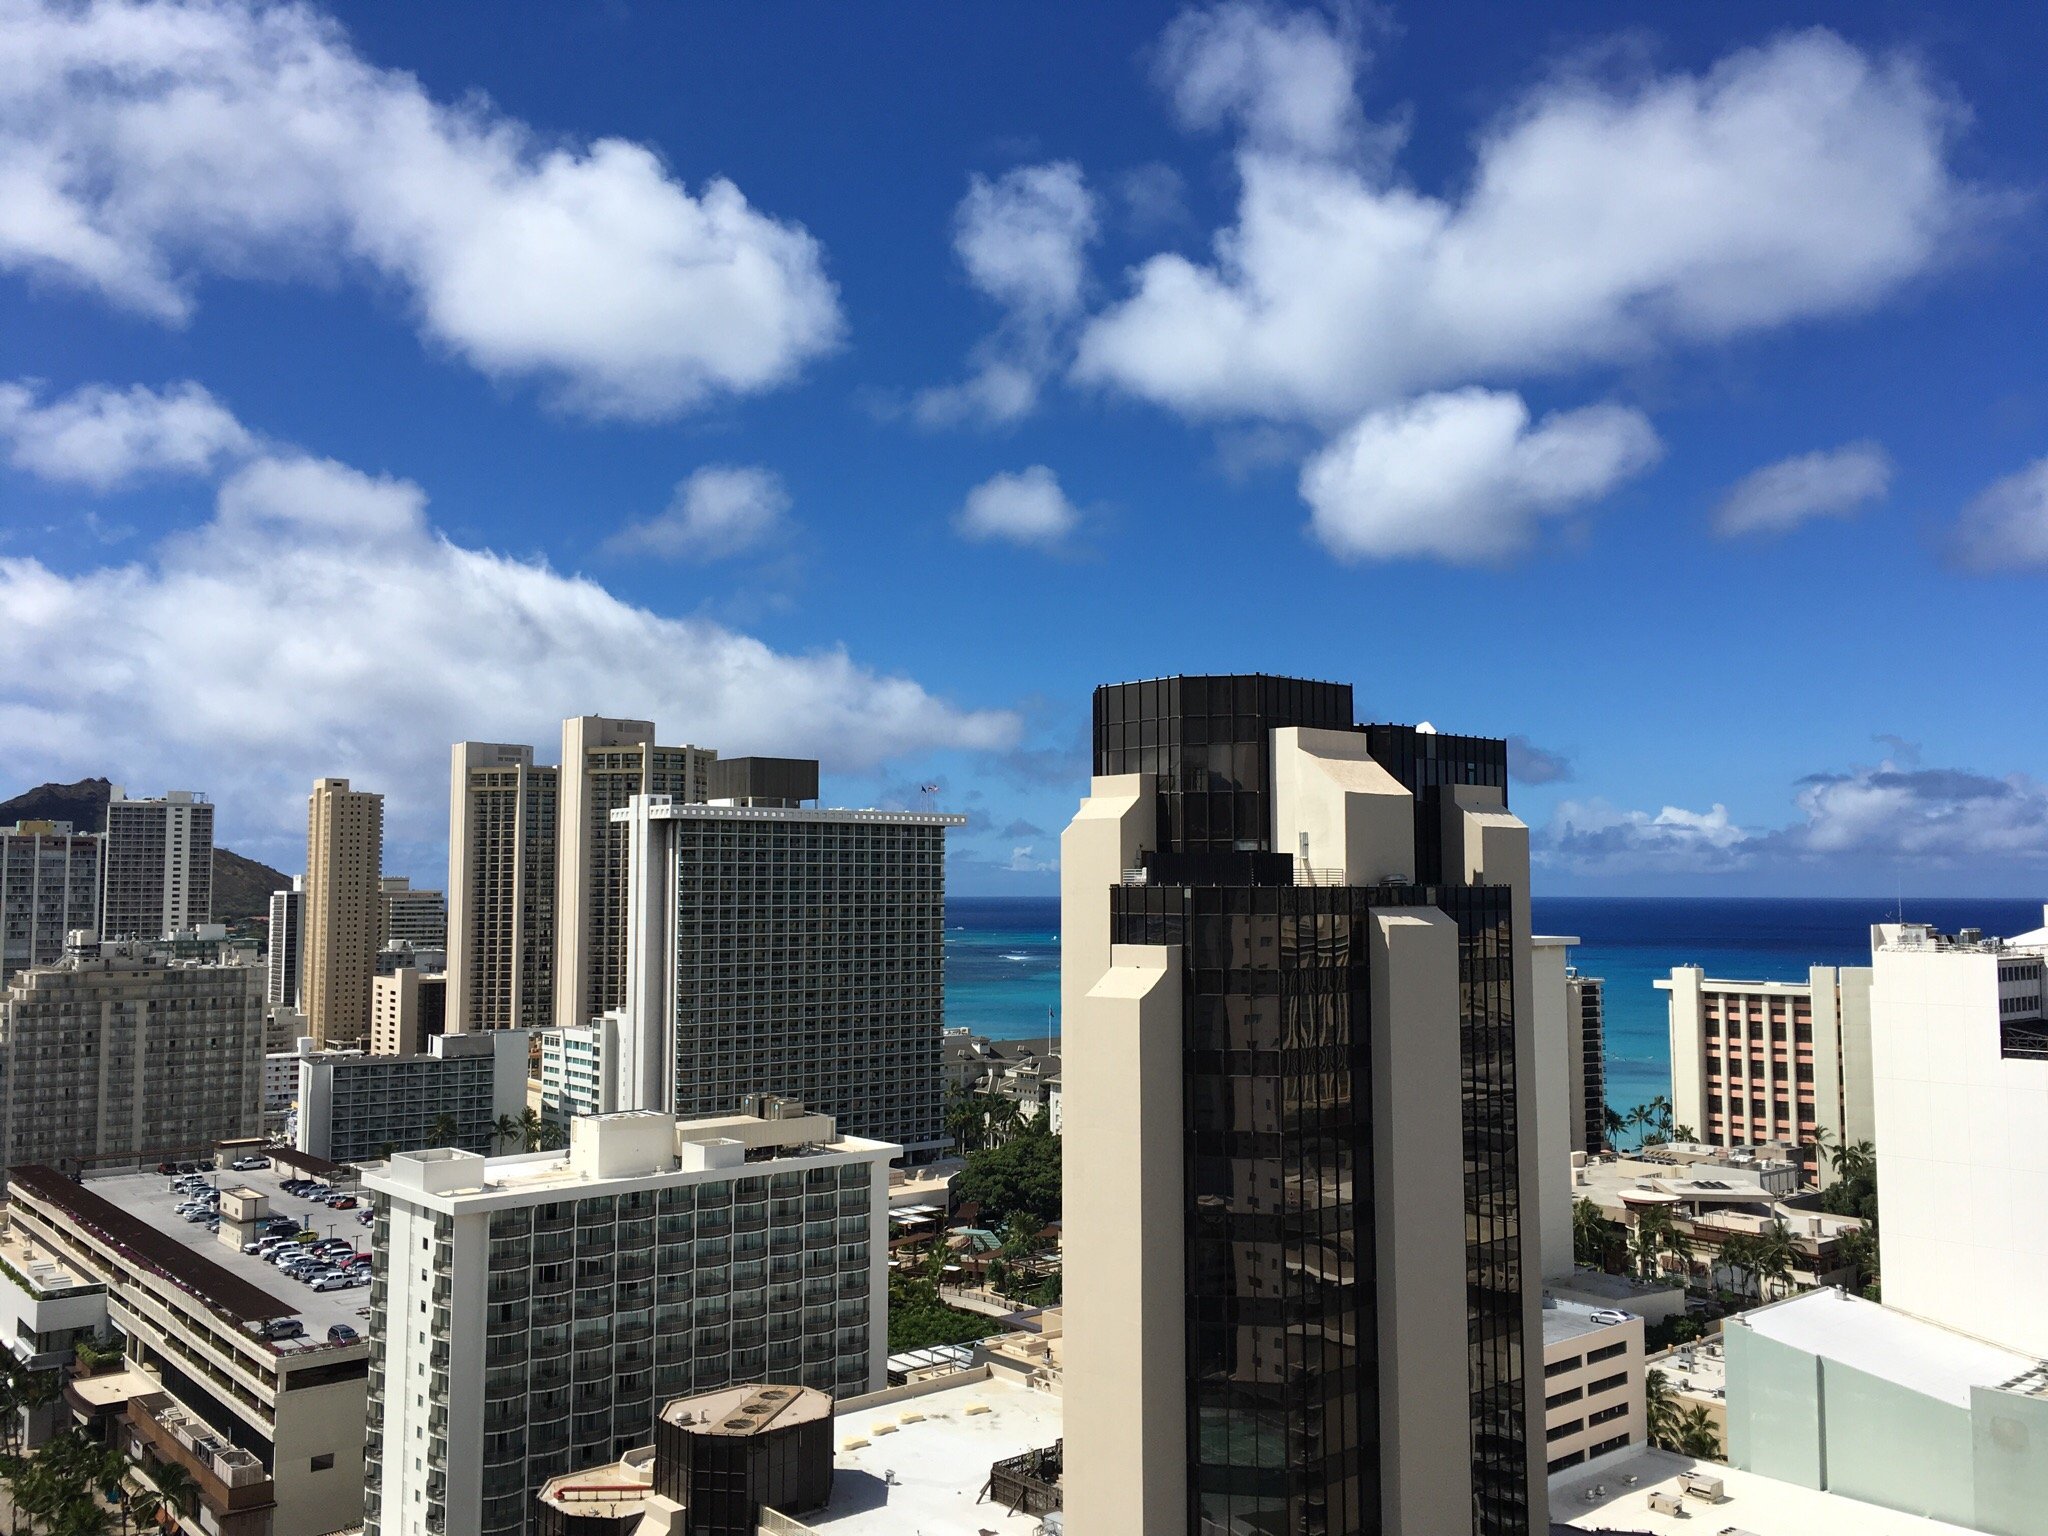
x=967, y=1120
x=553, y=1136
x=1660, y=1410
x=1589, y=1234
x=1739, y=1253
x=1857, y=1160
x=1615, y=1122
x=504, y=1130
x=1003, y=1119
x=1652, y=1237
x=1678, y=1244
x=530, y=1124
x=175, y=1489
x=1776, y=1254
x=1684, y=1133
x=82, y=1515
x=443, y=1131
x=1695, y=1436
x=1821, y=1137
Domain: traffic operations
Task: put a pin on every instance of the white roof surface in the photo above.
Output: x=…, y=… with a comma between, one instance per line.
x=1923, y=1357
x=1760, y=1506
x=939, y=1452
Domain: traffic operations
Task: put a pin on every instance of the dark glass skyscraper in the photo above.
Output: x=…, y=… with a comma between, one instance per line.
x=1236, y=791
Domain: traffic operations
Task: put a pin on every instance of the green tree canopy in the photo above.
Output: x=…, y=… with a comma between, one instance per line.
x=1019, y=1177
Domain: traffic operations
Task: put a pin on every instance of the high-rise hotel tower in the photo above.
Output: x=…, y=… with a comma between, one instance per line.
x=338, y=955
x=605, y=763
x=501, y=888
x=1294, y=959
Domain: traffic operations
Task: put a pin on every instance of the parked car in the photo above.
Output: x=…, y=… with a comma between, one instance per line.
x=245, y=1164
x=343, y=1203
x=341, y=1333
x=284, y=1328
x=336, y=1282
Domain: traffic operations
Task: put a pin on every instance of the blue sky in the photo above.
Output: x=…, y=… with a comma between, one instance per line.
x=870, y=382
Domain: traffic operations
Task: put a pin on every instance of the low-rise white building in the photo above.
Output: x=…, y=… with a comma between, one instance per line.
x=1592, y=1382
x=354, y=1108
x=532, y=1313
x=579, y=1069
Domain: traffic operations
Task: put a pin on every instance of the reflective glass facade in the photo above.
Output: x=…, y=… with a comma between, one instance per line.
x=1281, y=1312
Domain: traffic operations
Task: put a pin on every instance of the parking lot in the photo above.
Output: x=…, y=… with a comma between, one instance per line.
x=150, y=1197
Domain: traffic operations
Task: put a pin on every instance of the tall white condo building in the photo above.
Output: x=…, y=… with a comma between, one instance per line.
x=158, y=873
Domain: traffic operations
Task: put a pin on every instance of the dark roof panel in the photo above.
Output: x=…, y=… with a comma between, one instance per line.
x=213, y=1284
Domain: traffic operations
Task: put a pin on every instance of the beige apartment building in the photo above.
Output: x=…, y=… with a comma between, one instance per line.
x=408, y=1008
x=343, y=910
x=1764, y=1061
x=119, y=1053
x=605, y=763
x=1594, y=1378
x=501, y=887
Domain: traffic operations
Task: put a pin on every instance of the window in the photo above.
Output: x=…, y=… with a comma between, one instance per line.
x=324, y=1463
x=1607, y=1384
x=1607, y=1353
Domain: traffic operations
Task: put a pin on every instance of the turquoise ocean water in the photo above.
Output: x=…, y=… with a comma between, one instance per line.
x=1003, y=957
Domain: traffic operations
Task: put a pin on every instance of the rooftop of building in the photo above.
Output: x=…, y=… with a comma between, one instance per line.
x=1612, y=1493
x=609, y=1492
x=1894, y=1346
x=668, y=808
x=45, y=1275
x=1737, y=984
x=919, y=1462
x=1696, y=1370
x=1564, y=1321
x=1616, y=1290
x=137, y=1212
x=632, y=1144
x=749, y=1409
x=1925, y=938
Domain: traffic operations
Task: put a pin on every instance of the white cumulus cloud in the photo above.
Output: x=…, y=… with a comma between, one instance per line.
x=719, y=511
x=1780, y=496
x=1465, y=476
x=318, y=623
x=1027, y=507
x=103, y=438
x=1022, y=239
x=1288, y=80
x=2006, y=527
x=1601, y=219
x=147, y=144
x=1866, y=821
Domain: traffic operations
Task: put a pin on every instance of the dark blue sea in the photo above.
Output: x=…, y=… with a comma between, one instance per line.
x=1003, y=957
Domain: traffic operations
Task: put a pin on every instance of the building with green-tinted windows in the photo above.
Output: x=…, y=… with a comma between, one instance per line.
x=1832, y=1392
